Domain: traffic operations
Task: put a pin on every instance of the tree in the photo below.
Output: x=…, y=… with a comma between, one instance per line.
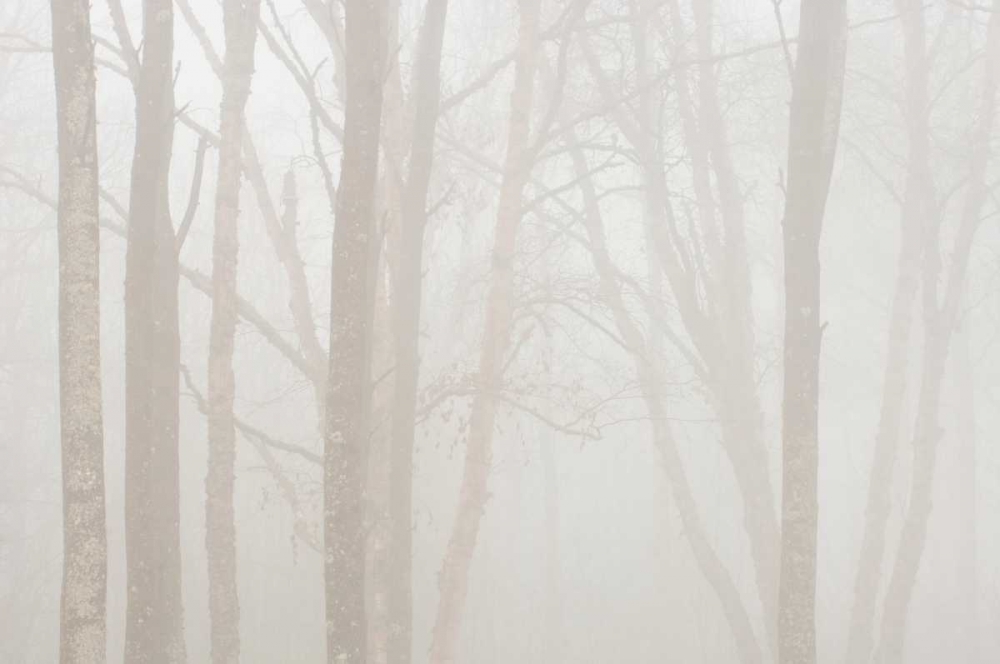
x=83, y=611
x=941, y=309
x=406, y=327
x=345, y=455
x=154, y=630
x=917, y=208
x=814, y=127
x=240, y=20
x=453, y=583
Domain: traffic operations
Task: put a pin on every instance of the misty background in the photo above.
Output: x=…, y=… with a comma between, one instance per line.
x=592, y=542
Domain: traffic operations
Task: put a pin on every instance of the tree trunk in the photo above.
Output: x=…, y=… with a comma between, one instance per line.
x=154, y=629
x=453, y=580
x=220, y=521
x=82, y=624
x=918, y=206
x=966, y=441
x=345, y=457
x=940, y=319
x=814, y=126
x=406, y=329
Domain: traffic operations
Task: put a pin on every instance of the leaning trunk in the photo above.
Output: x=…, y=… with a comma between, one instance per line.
x=82, y=626
x=453, y=580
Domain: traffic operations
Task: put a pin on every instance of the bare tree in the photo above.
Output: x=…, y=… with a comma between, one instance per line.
x=941, y=308
x=472, y=498
x=85, y=548
x=814, y=127
x=154, y=620
x=345, y=457
x=240, y=20
x=406, y=325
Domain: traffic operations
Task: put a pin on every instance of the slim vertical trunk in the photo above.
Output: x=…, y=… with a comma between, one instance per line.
x=154, y=630
x=939, y=324
x=918, y=205
x=345, y=457
x=220, y=522
x=406, y=329
x=814, y=126
x=82, y=626
x=965, y=439
x=453, y=580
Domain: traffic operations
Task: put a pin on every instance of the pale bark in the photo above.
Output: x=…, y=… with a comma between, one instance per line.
x=814, y=126
x=918, y=206
x=345, y=455
x=940, y=318
x=473, y=495
x=82, y=616
x=154, y=629
x=406, y=327
x=240, y=21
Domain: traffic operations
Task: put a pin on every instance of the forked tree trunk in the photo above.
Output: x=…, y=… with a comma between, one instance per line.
x=406, y=328
x=154, y=630
x=82, y=616
x=240, y=19
x=473, y=495
x=814, y=126
x=345, y=453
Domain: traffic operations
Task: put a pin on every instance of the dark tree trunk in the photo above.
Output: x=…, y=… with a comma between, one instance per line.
x=154, y=630
x=82, y=625
x=345, y=456
x=814, y=127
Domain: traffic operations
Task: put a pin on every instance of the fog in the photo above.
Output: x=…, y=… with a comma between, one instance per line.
x=437, y=331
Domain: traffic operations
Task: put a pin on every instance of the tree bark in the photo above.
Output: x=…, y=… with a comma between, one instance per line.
x=82, y=616
x=154, y=629
x=406, y=328
x=473, y=495
x=345, y=457
x=814, y=126
x=240, y=20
